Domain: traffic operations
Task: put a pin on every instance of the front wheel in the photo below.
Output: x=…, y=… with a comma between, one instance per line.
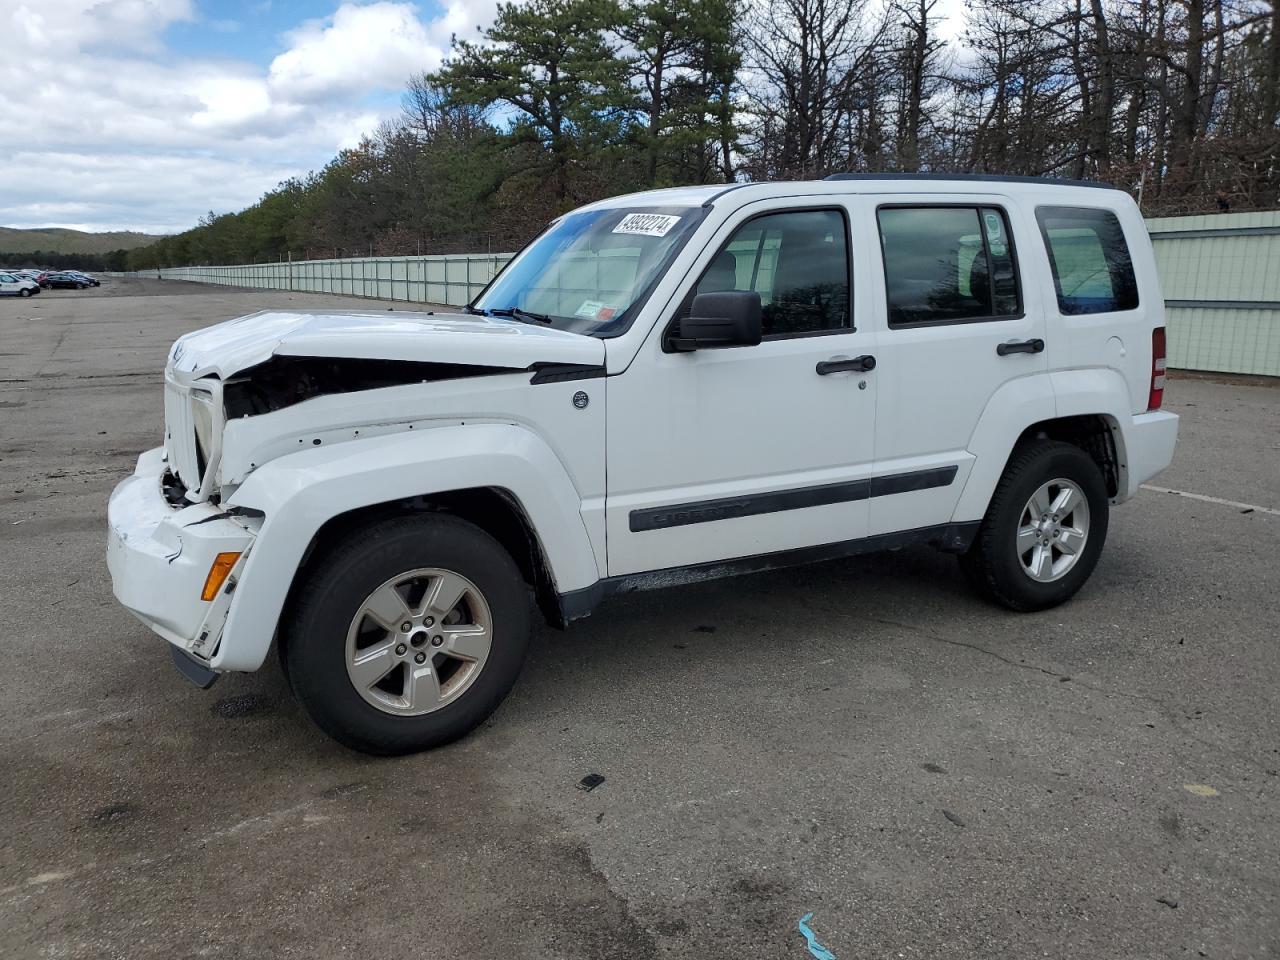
x=1044, y=528
x=25, y=292
x=409, y=635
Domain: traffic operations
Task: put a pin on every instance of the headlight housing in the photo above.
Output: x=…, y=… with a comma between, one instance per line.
x=194, y=421
x=202, y=421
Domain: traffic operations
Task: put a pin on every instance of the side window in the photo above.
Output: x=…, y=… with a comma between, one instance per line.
x=948, y=264
x=1092, y=272
x=799, y=264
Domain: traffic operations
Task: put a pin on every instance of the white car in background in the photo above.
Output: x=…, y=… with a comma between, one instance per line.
x=17, y=285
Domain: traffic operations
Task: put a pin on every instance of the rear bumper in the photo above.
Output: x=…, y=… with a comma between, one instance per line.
x=160, y=555
x=1149, y=441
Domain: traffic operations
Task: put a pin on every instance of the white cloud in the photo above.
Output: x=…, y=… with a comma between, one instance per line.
x=124, y=191
x=380, y=44
x=124, y=24
x=114, y=132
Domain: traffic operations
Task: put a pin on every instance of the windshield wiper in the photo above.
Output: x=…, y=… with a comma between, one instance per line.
x=472, y=310
x=515, y=313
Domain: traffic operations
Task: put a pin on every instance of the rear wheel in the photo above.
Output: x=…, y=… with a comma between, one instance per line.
x=409, y=635
x=1044, y=528
x=80, y=286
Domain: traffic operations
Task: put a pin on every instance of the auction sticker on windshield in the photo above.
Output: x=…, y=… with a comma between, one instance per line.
x=595, y=310
x=646, y=224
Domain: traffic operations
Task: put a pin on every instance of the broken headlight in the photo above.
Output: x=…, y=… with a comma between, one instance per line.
x=202, y=420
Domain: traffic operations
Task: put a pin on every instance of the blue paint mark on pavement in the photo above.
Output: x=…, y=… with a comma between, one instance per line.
x=816, y=950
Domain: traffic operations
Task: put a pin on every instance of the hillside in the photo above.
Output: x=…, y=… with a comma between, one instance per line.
x=60, y=240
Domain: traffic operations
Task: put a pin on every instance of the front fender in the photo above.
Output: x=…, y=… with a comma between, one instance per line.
x=299, y=493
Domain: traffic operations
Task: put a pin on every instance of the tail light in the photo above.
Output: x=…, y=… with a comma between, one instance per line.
x=1156, y=397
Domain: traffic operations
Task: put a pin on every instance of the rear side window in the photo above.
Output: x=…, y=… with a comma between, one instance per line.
x=1092, y=272
x=948, y=265
x=797, y=261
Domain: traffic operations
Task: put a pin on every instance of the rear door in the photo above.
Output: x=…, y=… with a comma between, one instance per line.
x=1097, y=315
x=959, y=322
x=9, y=285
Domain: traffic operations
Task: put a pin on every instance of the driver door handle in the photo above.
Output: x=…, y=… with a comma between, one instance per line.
x=862, y=364
x=1020, y=346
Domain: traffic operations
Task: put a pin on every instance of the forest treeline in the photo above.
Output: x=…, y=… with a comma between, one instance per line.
x=564, y=101
x=55, y=260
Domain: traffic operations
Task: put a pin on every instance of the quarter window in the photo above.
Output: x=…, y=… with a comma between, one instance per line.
x=1092, y=272
x=799, y=264
x=948, y=265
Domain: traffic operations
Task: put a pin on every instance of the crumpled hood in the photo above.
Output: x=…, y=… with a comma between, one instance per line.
x=227, y=348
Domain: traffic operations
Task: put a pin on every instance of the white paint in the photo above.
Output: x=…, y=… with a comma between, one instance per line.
x=1208, y=499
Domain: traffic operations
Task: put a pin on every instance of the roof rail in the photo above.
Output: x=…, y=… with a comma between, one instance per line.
x=978, y=177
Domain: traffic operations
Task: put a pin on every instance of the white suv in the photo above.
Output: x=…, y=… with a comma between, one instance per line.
x=669, y=385
x=17, y=285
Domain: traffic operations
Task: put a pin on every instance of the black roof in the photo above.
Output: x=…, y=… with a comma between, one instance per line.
x=974, y=177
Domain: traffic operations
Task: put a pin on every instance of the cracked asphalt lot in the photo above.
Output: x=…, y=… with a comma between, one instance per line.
x=929, y=775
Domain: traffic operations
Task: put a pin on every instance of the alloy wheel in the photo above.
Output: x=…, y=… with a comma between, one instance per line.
x=419, y=641
x=1053, y=530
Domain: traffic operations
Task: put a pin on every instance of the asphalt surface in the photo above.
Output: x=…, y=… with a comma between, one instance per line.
x=864, y=740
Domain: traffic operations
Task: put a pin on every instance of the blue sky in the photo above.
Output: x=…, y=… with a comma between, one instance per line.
x=145, y=114
x=251, y=30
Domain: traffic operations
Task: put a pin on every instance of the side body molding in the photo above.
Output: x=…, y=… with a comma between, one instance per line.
x=300, y=492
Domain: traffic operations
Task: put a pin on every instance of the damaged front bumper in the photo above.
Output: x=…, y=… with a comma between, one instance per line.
x=160, y=555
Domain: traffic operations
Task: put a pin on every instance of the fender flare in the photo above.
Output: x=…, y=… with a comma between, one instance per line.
x=1104, y=392
x=299, y=493
x=1021, y=403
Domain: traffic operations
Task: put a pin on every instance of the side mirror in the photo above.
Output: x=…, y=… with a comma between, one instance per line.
x=728, y=319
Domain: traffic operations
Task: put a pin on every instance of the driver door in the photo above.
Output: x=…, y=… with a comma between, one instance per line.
x=734, y=452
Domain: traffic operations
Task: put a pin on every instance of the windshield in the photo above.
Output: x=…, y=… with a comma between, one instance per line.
x=589, y=272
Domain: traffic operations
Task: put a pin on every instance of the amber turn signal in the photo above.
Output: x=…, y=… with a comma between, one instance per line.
x=218, y=571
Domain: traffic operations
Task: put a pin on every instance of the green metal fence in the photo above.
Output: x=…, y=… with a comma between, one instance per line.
x=1220, y=274
x=452, y=279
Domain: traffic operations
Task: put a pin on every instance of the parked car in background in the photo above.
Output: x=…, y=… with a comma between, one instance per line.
x=15, y=285
x=91, y=281
x=65, y=281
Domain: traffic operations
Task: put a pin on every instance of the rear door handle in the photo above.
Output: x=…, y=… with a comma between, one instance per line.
x=861, y=364
x=1020, y=346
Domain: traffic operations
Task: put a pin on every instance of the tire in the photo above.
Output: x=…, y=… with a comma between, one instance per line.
x=996, y=563
x=80, y=286
x=24, y=292
x=331, y=638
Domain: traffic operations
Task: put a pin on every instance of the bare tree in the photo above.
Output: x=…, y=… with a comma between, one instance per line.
x=807, y=57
